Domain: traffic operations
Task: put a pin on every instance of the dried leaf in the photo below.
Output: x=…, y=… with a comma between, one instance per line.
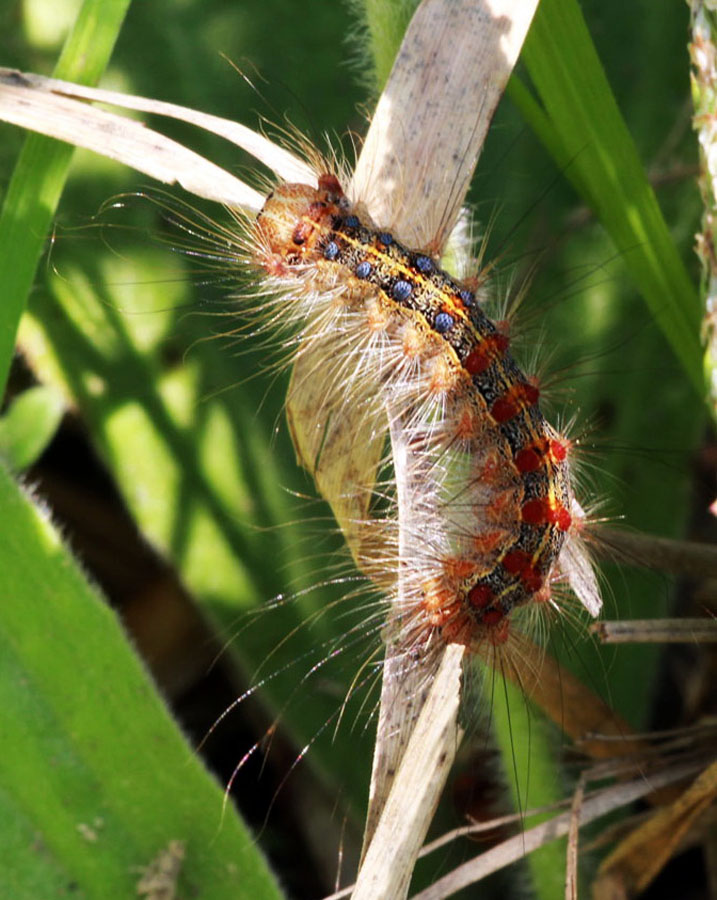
x=641, y=856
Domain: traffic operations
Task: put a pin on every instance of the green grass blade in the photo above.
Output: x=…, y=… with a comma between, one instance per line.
x=95, y=778
x=381, y=27
x=577, y=120
x=28, y=425
x=40, y=174
x=591, y=143
x=203, y=473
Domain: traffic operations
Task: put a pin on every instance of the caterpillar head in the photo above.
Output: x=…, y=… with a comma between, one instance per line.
x=293, y=219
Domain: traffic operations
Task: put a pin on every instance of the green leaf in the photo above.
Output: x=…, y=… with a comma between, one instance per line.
x=40, y=173
x=581, y=126
x=95, y=778
x=197, y=460
x=29, y=424
x=382, y=24
x=577, y=119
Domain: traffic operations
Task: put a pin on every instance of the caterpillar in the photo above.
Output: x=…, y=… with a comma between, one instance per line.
x=451, y=371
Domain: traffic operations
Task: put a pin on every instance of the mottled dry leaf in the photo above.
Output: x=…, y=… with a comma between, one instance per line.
x=324, y=433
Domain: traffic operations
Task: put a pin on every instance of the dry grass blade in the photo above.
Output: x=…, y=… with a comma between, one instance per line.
x=404, y=693
x=638, y=859
x=412, y=176
x=657, y=631
x=388, y=864
x=121, y=139
x=283, y=163
x=514, y=848
x=323, y=434
x=432, y=118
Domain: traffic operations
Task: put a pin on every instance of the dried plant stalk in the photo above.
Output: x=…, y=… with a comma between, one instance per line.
x=657, y=631
x=703, y=54
x=412, y=176
x=47, y=106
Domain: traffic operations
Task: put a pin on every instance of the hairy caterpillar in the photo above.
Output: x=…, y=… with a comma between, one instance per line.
x=450, y=371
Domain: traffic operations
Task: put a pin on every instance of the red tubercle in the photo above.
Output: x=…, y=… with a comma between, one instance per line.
x=559, y=449
x=509, y=405
x=501, y=341
x=532, y=458
x=504, y=409
x=477, y=361
x=516, y=561
x=530, y=392
x=330, y=184
x=529, y=459
x=559, y=516
x=482, y=356
x=536, y=512
x=532, y=580
x=540, y=511
x=563, y=519
x=492, y=617
x=480, y=596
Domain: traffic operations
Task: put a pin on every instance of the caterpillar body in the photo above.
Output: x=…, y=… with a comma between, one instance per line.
x=471, y=413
